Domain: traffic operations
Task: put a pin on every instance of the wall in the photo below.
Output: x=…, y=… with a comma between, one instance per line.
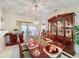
x=3, y=15
x=2, y=34
x=0, y=18
x=10, y=22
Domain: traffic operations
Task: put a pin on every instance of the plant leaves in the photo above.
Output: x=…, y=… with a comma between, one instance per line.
x=76, y=29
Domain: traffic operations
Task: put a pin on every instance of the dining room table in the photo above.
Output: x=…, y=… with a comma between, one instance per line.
x=38, y=51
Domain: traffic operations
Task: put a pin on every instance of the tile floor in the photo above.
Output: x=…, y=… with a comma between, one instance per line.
x=10, y=52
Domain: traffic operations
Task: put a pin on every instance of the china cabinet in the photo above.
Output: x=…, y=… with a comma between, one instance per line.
x=61, y=26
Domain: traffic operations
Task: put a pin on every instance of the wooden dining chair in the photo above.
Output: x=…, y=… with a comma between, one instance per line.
x=24, y=53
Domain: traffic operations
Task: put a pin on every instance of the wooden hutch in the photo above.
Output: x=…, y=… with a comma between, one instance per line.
x=13, y=38
x=62, y=28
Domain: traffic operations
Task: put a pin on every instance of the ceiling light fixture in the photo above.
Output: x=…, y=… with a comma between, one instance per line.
x=36, y=22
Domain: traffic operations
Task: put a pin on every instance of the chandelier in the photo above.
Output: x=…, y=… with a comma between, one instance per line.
x=36, y=22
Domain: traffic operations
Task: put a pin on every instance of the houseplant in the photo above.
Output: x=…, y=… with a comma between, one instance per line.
x=76, y=29
x=76, y=41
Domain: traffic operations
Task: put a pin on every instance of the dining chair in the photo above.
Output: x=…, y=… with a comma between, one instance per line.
x=23, y=50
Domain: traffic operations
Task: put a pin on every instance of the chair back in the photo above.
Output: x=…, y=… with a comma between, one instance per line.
x=20, y=48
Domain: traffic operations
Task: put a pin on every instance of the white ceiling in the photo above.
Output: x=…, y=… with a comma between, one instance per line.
x=25, y=8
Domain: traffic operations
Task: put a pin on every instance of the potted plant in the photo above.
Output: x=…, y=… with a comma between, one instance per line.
x=76, y=41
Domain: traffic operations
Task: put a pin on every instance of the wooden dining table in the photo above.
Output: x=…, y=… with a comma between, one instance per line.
x=41, y=54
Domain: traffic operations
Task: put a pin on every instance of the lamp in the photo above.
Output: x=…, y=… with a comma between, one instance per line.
x=36, y=22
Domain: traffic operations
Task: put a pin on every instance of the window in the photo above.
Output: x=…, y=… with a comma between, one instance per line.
x=43, y=27
x=28, y=29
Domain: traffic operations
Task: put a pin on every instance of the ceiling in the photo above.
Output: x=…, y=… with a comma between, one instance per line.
x=25, y=8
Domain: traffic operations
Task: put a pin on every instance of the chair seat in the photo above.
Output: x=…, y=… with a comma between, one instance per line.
x=24, y=47
x=27, y=54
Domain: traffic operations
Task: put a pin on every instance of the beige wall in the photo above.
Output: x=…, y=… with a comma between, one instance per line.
x=10, y=22
x=0, y=18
